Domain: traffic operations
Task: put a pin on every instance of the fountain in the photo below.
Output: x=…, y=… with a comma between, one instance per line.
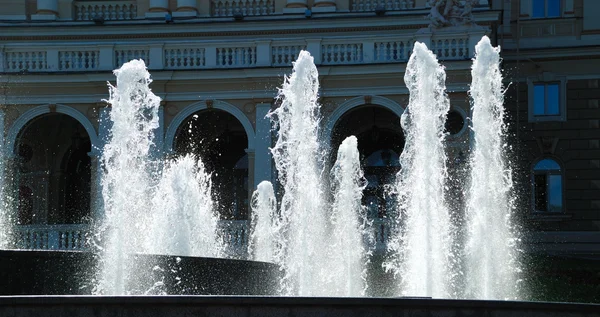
x=491, y=256
x=420, y=248
x=161, y=235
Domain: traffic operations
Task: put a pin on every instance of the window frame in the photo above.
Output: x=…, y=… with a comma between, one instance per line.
x=545, y=80
x=547, y=173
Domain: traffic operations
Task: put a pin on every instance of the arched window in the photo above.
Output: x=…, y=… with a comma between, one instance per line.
x=547, y=186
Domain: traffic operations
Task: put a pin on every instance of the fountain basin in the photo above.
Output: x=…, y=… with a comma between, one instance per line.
x=26, y=272
x=244, y=306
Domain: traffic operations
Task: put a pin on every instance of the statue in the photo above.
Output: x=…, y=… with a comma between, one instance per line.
x=451, y=12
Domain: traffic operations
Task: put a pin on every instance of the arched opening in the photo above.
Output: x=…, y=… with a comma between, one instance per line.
x=220, y=140
x=54, y=171
x=380, y=143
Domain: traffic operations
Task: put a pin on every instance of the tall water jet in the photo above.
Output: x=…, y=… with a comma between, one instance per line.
x=264, y=223
x=347, y=254
x=420, y=247
x=298, y=157
x=183, y=221
x=127, y=178
x=490, y=247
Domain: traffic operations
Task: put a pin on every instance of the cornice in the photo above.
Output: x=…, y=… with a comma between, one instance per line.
x=203, y=29
x=222, y=95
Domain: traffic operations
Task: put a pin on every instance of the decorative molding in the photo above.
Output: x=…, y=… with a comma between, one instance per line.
x=355, y=102
x=22, y=120
x=547, y=144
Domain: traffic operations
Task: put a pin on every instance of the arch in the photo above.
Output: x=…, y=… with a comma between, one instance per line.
x=466, y=121
x=22, y=120
x=201, y=105
x=355, y=102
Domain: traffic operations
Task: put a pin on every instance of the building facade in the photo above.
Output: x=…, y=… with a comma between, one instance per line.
x=217, y=66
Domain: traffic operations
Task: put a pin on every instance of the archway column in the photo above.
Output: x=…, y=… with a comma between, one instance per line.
x=262, y=156
x=46, y=10
x=251, y=176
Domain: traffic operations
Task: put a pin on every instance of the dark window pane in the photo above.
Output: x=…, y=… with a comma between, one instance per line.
x=538, y=100
x=540, y=193
x=553, y=8
x=552, y=102
x=539, y=9
x=555, y=193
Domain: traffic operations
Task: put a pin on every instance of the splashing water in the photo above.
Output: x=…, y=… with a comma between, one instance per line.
x=264, y=236
x=490, y=248
x=127, y=178
x=347, y=251
x=184, y=222
x=6, y=226
x=178, y=220
x=297, y=157
x=421, y=249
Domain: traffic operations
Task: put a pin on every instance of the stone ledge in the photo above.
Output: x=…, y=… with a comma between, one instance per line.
x=278, y=306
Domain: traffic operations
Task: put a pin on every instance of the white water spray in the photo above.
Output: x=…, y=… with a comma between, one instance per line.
x=297, y=157
x=264, y=242
x=127, y=180
x=490, y=247
x=184, y=222
x=347, y=254
x=421, y=250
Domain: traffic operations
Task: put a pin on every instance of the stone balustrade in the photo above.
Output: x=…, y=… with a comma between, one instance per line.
x=52, y=237
x=235, y=234
x=227, y=8
x=107, y=10
x=198, y=55
x=387, y=5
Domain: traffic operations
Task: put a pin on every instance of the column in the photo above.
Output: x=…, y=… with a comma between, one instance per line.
x=156, y=150
x=186, y=8
x=324, y=6
x=96, y=198
x=46, y=10
x=295, y=6
x=262, y=153
x=104, y=127
x=158, y=9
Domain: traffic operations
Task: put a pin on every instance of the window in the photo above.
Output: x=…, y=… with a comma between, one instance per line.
x=547, y=187
x=547, y=99
x=546, y=8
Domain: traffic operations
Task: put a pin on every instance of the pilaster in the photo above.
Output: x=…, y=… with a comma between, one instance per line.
x=263, y=160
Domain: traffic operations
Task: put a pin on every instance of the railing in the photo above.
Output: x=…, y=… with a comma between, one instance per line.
x=107, y=10
x=25, y=61
x=78, y=60
x=388, y=5
x=285, y=55
x=227, y=8
x=335, y=54
x=184, y=58
x=236, y=56
x=392, y=51
x=123, y=56
x=76, y=237
x=451, y=49
x=191, y=55
x=235, y=235
x=52, y=237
